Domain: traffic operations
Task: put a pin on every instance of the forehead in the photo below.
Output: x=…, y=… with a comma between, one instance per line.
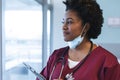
x=72, y=15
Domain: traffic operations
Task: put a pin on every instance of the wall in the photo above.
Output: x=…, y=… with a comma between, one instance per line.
x=58, y=14
x=110, y=10
x=110, y=34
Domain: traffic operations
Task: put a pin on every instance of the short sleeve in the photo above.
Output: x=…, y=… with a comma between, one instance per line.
x=112, y=73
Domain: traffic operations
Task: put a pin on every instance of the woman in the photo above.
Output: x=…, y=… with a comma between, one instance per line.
x=82, y=59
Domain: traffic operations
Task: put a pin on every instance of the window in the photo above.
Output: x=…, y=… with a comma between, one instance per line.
x=23, y=33
x=23, y=36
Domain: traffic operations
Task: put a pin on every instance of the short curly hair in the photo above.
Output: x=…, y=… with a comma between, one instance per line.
x=89, y=11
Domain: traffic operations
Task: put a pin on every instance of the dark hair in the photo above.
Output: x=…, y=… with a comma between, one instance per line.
x=89, y=11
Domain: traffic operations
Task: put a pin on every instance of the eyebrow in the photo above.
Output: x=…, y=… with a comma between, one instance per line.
x=68, y=18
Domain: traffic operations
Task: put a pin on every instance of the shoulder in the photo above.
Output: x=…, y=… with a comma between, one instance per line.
x=60, y=49
x=109, y=58
x=105, y=52
x=59, y=52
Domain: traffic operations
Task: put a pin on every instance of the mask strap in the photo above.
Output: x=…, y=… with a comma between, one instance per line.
x=82, y=32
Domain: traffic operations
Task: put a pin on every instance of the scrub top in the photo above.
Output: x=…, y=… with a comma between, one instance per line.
x=99, y=65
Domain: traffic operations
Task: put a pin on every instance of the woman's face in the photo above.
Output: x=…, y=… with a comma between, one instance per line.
x=72, y=25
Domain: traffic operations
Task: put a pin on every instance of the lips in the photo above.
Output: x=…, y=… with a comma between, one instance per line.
x=65, y=33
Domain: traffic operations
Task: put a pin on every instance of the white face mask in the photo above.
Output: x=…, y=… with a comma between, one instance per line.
x=74, y=43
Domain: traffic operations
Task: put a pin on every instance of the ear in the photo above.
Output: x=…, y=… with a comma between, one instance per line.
x=85, y=29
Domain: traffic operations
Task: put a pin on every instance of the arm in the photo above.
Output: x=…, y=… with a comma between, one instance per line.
x=113, y=73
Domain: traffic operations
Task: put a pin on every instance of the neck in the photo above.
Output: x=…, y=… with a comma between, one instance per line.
x=85, y=44
x=81, y=51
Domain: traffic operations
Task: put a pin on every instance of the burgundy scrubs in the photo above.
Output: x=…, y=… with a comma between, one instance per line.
x=99, y=65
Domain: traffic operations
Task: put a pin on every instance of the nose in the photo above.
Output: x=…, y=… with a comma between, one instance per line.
x=64, y=27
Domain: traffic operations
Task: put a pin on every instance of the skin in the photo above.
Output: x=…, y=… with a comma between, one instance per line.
x=72, y=28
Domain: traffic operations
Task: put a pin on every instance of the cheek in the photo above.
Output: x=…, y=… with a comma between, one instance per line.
x=76, y=31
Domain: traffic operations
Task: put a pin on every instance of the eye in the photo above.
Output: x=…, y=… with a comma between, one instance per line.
x=63, y=22
x=69, y=22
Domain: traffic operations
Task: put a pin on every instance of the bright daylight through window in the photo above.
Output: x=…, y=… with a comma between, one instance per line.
x=23, y=31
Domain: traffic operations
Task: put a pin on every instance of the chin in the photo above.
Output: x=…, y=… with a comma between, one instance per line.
x=66, y=40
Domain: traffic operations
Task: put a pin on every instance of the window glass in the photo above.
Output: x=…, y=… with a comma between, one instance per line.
x=23, y=38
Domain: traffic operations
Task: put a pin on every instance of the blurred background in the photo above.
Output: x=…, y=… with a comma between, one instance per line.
x=30, y=30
